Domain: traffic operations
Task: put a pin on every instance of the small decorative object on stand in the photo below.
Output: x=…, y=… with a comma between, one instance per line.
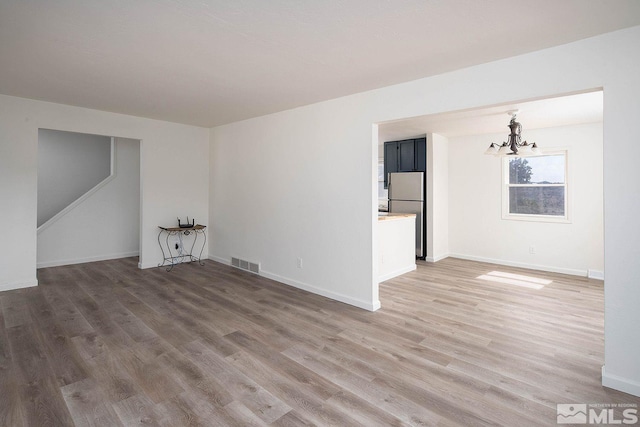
x=187, y=225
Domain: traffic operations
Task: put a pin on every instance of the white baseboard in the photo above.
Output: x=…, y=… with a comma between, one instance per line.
x=595, y=274
x=58, y=263
x=20, y=284
x=396, y=273
x=147, y=265
x=371, y=306
x=573, y=272
x=621, y=384
x=366, y=305
x=220, y=259
x=153, y=264
x=436, y=258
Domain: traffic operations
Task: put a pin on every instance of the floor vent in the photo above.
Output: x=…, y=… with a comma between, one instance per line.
x=245, y=265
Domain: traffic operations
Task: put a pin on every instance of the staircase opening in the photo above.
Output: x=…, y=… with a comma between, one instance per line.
x=70, y=165
x=88, y=197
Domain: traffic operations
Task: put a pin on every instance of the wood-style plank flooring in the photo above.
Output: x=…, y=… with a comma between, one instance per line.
x=106, y=344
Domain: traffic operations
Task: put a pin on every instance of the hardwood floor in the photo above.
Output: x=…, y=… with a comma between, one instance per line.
x=455, y=343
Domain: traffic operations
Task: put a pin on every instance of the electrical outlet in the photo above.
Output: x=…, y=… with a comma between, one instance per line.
x=532, y=250
x=299, y=262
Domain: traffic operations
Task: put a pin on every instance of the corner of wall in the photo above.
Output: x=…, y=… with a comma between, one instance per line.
x=19, y=284
x=618, y=383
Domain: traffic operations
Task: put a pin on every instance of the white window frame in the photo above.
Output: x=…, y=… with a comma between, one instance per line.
x=566, y=219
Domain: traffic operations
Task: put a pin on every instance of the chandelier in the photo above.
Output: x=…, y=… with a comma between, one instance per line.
x=514, y=145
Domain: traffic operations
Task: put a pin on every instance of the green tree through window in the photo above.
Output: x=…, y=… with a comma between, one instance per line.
x=536, y=186
x=519, y=171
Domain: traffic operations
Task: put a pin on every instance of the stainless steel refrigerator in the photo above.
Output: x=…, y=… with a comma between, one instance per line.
x=406, y=195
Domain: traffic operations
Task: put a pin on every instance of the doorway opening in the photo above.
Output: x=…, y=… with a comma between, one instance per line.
x=465, y=188
x=88, y=198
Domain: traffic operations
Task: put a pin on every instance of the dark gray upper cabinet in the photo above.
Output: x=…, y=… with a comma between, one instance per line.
x=406, y=156
x=409, y=155
x=390, y=160
x=421, y=154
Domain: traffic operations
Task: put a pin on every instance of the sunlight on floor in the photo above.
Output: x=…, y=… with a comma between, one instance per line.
x=515, y=279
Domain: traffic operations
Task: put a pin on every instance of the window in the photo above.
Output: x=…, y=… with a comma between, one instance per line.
x=535, y=188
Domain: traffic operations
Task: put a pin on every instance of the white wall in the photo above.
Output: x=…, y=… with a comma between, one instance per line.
x=301, y=183
x=105, y=225
x=437, y=197
x=174, y=172
x=477, y=230
x=69, y=165
x=282, y=189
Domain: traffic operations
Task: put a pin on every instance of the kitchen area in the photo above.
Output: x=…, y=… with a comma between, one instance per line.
x=401, y=207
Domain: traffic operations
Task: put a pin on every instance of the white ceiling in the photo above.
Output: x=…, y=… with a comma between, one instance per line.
x=211, y=62
x=543, y=113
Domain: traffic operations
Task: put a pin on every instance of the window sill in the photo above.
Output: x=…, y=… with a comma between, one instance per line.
x=537, y=218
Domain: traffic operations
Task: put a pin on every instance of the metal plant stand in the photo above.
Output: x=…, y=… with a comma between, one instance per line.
x=180, y=255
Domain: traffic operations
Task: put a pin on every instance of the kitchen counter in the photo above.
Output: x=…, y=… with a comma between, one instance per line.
x=396, y=244
x=384, y=216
